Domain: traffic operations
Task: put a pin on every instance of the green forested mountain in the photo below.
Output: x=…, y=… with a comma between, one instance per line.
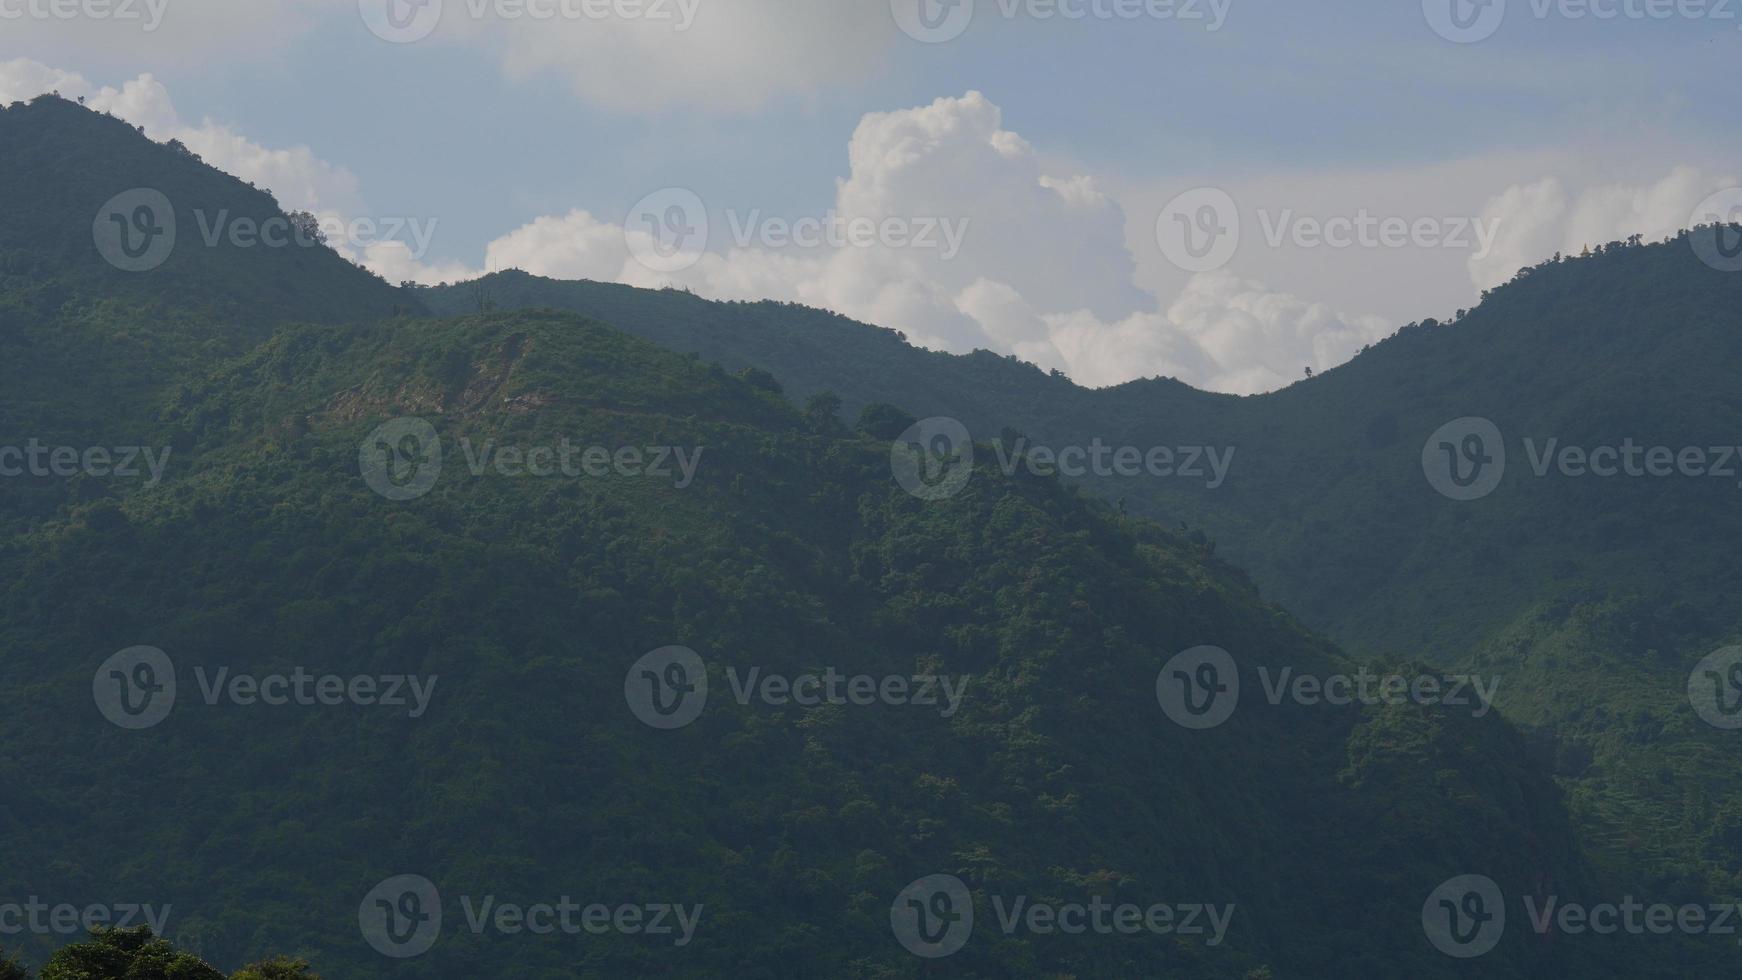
x=294, y=530
x=229, y=261
x=1327, y=505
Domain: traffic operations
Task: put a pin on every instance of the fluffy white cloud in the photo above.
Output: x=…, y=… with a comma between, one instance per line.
x=1038, y=266
x=1541, y=218
x=572, y=246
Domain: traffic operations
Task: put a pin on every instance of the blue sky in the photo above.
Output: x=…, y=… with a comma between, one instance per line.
x=1059, y=145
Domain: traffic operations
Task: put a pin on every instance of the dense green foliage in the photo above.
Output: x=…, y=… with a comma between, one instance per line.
x=125, y=954
x=1327, y=506
x=792, y=551
x=136, y=954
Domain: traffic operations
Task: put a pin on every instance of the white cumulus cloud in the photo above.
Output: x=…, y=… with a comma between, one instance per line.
x=1541, y=218
x=1018, y=260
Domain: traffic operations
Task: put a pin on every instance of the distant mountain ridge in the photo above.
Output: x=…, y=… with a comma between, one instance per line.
x=1329, y=507
x=1670, y=341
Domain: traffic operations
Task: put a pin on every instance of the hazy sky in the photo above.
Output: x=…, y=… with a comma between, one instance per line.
x=1061, y=179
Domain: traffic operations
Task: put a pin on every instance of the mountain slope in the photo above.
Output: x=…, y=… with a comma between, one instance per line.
x=792, y=551
x=302, y=528
x=75, y=181
x=1328, y=505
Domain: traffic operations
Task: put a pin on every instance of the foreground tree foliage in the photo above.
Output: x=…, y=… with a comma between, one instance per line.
x=125, y=954
x=136, y=954
x=281, y=968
